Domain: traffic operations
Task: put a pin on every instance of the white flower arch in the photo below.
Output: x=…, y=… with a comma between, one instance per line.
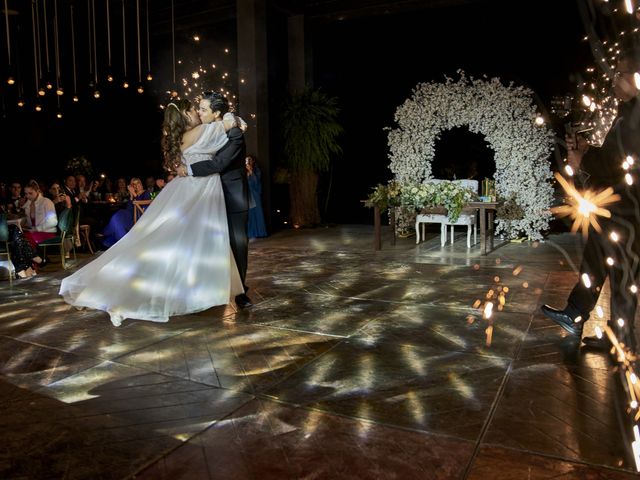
x=505, y=115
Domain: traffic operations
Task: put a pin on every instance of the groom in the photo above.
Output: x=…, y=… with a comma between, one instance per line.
x=229, y=163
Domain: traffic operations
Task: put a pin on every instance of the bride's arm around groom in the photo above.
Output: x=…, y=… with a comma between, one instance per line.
x=229, y=163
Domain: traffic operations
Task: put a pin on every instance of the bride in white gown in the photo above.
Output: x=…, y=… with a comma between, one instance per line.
x=176, y=259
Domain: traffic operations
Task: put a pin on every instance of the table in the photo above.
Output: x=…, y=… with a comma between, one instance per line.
x=485, y=210
x=377, y=226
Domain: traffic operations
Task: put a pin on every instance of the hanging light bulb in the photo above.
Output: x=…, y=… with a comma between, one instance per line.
x=140, y=89
x=149, y=77
x=21, y=103
x=96, y=94
x=11, y=80
x=109, y=78
x=75, y=98
x=49, y=86
x=38, y=108
x=59, y=91
x=125, y=84
x=41, y=92
x=59, y=115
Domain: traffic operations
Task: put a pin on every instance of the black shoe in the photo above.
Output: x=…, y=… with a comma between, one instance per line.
x=564, y=320
x=242, y=301
x=601, y=343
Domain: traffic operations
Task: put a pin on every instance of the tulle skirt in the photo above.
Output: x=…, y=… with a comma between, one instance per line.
x=175, y=260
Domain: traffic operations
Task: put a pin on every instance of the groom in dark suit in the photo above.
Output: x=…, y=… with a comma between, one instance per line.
x=229, y=163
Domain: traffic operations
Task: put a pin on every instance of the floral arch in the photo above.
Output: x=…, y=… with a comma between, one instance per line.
x=505, y=115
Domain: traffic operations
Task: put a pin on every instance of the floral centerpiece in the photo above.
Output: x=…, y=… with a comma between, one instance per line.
x=384, y=196
x=415, y=197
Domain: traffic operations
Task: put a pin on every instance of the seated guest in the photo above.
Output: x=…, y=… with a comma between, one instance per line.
x=162, y=182
x=122, y=193
x=60, y=199
x=82, y=188
x=122, y=221
x=23, y=254
x=15, y=200
x=42, y=220
x=70, y=189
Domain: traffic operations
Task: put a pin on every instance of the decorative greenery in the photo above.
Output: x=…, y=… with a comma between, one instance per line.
x=384, y=196
x=506, y=116
x=510, y=210
x=310, y=137
x=80, y=166
x=450, y=195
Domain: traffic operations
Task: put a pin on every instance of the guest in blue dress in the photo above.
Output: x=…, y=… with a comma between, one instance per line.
x=122, y=221
x=257, y=227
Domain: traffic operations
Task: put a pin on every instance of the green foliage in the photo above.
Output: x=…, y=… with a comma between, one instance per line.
x=311, y=131
x=416, y=197
x=384, y=196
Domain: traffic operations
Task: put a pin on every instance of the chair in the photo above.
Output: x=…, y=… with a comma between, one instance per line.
x=66, y=233
x=139, y=206
x=467, y=217
x=84, y=231
x=4, y=245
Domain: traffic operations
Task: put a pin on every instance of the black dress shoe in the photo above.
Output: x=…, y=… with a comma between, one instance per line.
x=563, y=319
x=242, y=301
x=597, y=343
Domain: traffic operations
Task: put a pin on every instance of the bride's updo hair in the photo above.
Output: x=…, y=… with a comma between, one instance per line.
x=173, y=127
x=217, y=102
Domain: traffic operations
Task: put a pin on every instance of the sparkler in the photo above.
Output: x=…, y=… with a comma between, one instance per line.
x=584, y=208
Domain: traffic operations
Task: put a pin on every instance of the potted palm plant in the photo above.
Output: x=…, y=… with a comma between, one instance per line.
x=311, y=131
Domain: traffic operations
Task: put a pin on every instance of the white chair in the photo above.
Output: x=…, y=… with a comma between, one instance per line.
x=421, y=219
x=468, y=218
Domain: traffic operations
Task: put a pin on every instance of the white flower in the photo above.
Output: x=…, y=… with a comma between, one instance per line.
x=505, y=116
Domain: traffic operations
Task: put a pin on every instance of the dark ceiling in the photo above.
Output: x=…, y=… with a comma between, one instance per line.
x=194, y=13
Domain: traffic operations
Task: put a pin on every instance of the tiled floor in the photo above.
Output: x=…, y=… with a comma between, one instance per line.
x=353, y=364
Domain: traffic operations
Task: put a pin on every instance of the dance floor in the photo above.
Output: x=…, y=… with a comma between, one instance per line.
x=353, y=364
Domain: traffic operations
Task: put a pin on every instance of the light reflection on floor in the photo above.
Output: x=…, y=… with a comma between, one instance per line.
x=352, y=364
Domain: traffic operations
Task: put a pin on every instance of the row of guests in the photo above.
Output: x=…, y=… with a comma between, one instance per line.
x=41, y=222
x=73, y=190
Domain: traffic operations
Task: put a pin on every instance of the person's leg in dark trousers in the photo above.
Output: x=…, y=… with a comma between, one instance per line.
x=583, y=299
x=239, y=241
x=623, y=274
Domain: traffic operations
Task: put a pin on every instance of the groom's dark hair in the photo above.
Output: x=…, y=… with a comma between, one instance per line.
x=217, y=102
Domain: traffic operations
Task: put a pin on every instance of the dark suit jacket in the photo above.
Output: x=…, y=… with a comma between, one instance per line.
x=229, y=163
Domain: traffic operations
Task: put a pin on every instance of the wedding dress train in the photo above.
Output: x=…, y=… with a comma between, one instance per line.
x=175, y=260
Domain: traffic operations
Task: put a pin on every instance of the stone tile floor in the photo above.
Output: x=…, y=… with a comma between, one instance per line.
x=353, y=364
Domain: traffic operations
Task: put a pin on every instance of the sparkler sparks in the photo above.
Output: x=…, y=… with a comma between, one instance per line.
x=585, y=207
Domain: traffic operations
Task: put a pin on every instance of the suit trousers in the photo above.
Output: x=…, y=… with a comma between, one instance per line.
x=622, y=273
x=239, y=240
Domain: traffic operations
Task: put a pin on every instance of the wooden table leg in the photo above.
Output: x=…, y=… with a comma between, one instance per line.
x=377, y=239
x=490, y=228
x=483, y=231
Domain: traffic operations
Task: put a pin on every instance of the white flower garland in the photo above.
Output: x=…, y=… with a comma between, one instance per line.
x=505, y=115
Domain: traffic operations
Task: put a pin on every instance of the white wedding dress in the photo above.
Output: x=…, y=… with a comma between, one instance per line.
x=175, y=260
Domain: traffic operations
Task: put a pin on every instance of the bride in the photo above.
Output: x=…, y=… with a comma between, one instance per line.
x=176, y=259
